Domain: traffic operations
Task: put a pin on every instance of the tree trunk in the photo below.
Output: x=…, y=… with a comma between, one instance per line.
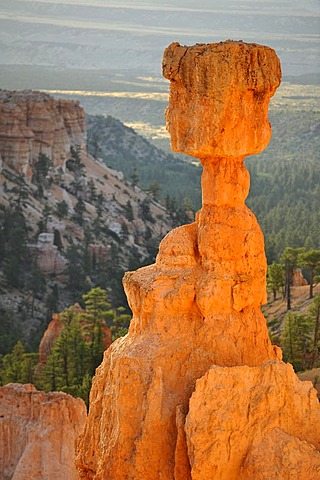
x=311, y=283
x=316, y=338
x=288, y=293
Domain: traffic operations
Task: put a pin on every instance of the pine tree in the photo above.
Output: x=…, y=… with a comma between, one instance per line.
x=275, y=278
x=314, y=316
x=98, y=313
x=311, y=261
x=62, y=210
x=296, y=339
x=290, y=258
x=18, y=366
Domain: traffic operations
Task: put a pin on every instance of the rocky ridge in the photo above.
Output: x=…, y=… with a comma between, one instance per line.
x=162, y=402
x=117, y=222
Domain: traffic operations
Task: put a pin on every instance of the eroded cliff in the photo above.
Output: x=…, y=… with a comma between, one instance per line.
x=198, y=306
x=33, y=123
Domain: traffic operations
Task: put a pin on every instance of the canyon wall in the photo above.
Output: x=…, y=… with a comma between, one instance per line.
x=196, y=390
x=38, y=433
x=33, y=123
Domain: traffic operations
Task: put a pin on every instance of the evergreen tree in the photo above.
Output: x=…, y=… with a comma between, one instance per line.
x=129, y=211
x=135, y=178
x=42, y=168
x=36, y=284
x=21, y=190
x=290, y=258
x=75, y=271
x=18, y=366
x=62, y=210
x=120, y=323
x=311, y=261
x=50, y=376
x=275, y=278
x=43, y=222
x=98, y=313
x=52, y=301
x=145, y=211
x=79, y=208
x=9, y=330
x=92, y=190
x=296, y=339
x=314, y=317
x=16, y=254
x=154, y=189
x=57, y=239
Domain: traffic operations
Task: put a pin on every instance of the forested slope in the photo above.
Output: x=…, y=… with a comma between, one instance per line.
x=285, y=182
x=285, y=179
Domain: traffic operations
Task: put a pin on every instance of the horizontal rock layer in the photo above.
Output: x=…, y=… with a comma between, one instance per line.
x=33, y=123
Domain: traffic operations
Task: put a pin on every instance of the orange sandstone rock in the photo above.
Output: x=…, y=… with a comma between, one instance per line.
x=38, y=432
x=49, y=337
x=199, y=304
x=253, y=422
x=281, y=456
x=219, y=97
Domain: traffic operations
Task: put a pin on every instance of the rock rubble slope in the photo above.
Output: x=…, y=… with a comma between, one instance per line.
x=196, y=390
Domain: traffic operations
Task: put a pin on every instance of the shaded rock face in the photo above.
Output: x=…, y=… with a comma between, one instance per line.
x=33, y=123
x=199, y=304
x=49, y=337
x=38, y=432
x=298, y=279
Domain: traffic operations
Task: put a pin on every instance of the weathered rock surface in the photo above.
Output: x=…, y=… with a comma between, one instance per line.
x=38, y=432
x=33, y=123
x=199, y=305
x=219, y=97
x=260, y=422
x=47, y=256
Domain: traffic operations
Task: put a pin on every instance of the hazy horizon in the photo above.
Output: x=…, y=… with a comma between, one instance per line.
x=132, y=34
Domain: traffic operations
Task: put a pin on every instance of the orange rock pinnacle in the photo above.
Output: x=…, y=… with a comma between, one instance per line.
x=198, y=306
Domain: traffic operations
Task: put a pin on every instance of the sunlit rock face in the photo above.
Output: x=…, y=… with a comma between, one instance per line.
x=198, y=306
x=253, y=423
x=32, y=123
x=38, y=433
x=219, y=97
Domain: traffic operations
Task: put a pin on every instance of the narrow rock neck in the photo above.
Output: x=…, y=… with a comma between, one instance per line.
x=225, y=181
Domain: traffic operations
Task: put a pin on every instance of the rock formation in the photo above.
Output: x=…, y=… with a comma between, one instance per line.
x=54, y=329
x=49, y=337
x=33, y=123
x=198, y=340
x=47, y=256
x=298, y=279
x=38, y=432
x=257, y=419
